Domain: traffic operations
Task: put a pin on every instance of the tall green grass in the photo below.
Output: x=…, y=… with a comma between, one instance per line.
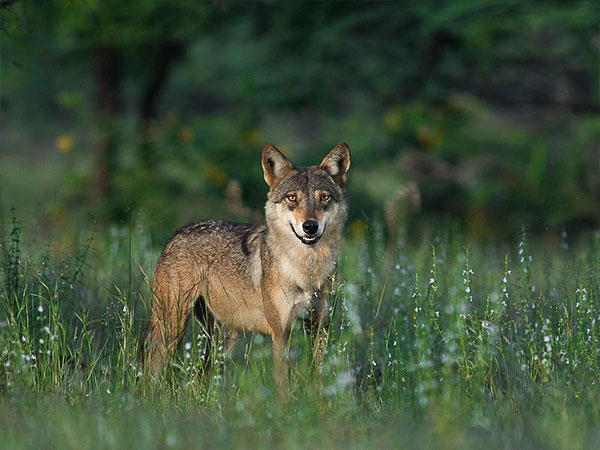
x=444, y=344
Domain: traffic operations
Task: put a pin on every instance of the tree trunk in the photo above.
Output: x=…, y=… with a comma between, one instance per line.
x=166, y=55
x=108, y=107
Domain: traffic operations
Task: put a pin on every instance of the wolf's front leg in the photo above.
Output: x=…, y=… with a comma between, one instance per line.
x=319, y=328
x=278, y=320
x=281, y=370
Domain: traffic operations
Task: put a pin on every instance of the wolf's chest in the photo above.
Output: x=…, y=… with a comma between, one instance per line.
x=308, y=274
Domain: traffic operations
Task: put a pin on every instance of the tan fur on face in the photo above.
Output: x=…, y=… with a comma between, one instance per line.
x=306, y=265
x=302, y=212
x=305, y=210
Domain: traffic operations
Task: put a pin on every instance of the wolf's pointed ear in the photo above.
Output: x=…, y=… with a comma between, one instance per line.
x=275, y=165
x=337, y=163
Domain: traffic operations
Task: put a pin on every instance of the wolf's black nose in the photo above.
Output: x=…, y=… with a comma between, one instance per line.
x=310, y=227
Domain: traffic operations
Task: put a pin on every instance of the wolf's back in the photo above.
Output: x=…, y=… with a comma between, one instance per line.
x=223, y=245
x=211, y=237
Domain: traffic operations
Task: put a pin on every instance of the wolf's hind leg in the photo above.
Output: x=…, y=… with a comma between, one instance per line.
x=212, y=339
x=170, y=312
x=207, y=324
x=230, y=338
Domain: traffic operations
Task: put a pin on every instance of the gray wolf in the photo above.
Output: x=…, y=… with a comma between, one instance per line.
x=256, y=278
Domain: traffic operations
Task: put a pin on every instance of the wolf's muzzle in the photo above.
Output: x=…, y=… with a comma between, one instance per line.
x=310, y=227
x=312, y=239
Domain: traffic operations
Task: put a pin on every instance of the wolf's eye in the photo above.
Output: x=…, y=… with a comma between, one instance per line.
x=291, y=198
x=324, y=197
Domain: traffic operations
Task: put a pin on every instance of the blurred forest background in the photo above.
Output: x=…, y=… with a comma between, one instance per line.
x=483, y=114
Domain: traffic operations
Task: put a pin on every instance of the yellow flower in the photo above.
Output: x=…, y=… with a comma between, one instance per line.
x=186, y=135
x=429, y=137
x=64, y=143
x=393, y=118
x=215, y=174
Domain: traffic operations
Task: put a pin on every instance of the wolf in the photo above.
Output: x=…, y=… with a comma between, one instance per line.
x=257, y=278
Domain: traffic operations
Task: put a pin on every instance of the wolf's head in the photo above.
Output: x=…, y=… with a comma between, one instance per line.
x=306, y=203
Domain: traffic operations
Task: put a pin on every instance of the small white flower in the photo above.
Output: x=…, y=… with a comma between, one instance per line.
x=188, y=345
x=40, y=308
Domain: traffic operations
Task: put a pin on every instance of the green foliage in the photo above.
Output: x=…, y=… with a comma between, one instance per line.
x=486, y=111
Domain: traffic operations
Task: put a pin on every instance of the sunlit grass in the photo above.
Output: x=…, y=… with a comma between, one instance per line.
x=449, y=343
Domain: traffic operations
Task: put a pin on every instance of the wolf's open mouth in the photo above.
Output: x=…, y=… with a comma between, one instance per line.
x=307, y=240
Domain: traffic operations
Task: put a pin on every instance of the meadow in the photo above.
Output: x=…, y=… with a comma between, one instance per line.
x=439, y=342
x=452, y=326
